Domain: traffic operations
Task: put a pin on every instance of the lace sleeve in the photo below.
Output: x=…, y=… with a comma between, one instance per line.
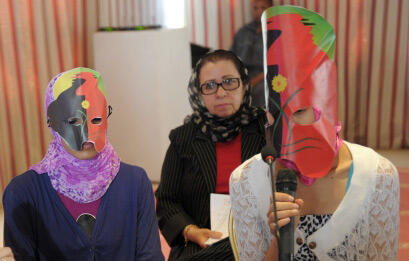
x=252, y=235
x=384, y=214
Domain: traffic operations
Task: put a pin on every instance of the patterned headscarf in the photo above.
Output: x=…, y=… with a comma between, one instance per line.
x=81, y=180
x=217, y=128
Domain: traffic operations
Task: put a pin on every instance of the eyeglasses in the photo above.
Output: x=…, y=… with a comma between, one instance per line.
x=228, y=84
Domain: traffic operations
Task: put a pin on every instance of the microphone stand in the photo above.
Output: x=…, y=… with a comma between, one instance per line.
x=270, y=162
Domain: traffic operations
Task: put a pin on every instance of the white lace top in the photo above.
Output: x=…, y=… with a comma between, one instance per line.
x=365, y=226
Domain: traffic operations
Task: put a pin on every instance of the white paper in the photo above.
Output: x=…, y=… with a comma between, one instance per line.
x=219, y=215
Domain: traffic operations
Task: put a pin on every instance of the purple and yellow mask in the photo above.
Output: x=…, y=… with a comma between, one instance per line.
x=79, y=110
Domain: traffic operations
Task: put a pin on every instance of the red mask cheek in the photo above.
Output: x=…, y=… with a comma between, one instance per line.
x=97, y=134
x=97, y=124
x=310, y=147
x=96, y=110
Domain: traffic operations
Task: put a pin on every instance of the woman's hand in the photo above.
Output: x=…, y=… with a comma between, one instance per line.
x=6, y=254
x=201, y=235
x=286, y=208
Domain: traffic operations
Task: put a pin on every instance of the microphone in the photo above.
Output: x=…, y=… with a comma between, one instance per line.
x=287, y=183
x=269, y=154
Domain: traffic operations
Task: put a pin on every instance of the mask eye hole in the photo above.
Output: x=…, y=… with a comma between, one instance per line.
x=96, y=120
x=75, y=121
x=304, y=116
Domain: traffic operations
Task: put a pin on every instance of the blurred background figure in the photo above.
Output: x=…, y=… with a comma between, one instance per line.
x=248, y=45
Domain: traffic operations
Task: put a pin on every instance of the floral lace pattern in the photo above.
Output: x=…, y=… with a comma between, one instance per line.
x=254, y=236
x=376, y=238
x=356, y=240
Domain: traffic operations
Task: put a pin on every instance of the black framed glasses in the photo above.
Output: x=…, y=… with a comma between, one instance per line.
x=228, y=84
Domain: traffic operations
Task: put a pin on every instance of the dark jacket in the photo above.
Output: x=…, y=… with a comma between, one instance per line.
x=188, y=177
x=37, y=226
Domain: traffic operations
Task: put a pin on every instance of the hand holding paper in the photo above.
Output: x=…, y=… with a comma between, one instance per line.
x=201, y=236
x=219, y=216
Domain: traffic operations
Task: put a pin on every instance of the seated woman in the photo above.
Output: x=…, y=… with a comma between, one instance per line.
x=80, y=202
x=347, y=205
x=223, y=131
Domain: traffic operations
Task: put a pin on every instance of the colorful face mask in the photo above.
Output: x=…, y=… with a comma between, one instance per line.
x=79, y=110
x=298, y=52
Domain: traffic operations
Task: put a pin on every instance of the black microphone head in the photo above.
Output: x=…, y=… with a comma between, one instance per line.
x=269, y=151
x=286, y=181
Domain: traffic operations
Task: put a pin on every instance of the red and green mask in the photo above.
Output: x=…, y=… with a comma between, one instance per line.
x=299, y=74
x=79, y=110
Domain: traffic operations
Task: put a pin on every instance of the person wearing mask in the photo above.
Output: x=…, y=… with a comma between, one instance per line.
x=346, y=205
x=223, y=131
x=80, y=202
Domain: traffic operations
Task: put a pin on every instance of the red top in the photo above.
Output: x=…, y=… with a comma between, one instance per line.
x=77, y=209
x=228, y=157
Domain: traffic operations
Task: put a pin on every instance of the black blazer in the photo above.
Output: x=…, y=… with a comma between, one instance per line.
x=188, y=177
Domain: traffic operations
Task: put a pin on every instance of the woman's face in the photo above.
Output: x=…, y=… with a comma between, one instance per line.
x=87, y=152
x=222, y=103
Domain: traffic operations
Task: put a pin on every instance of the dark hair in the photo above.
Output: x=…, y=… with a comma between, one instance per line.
x=220, y=55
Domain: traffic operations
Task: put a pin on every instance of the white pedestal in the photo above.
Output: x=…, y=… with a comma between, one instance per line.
x=146, y=75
